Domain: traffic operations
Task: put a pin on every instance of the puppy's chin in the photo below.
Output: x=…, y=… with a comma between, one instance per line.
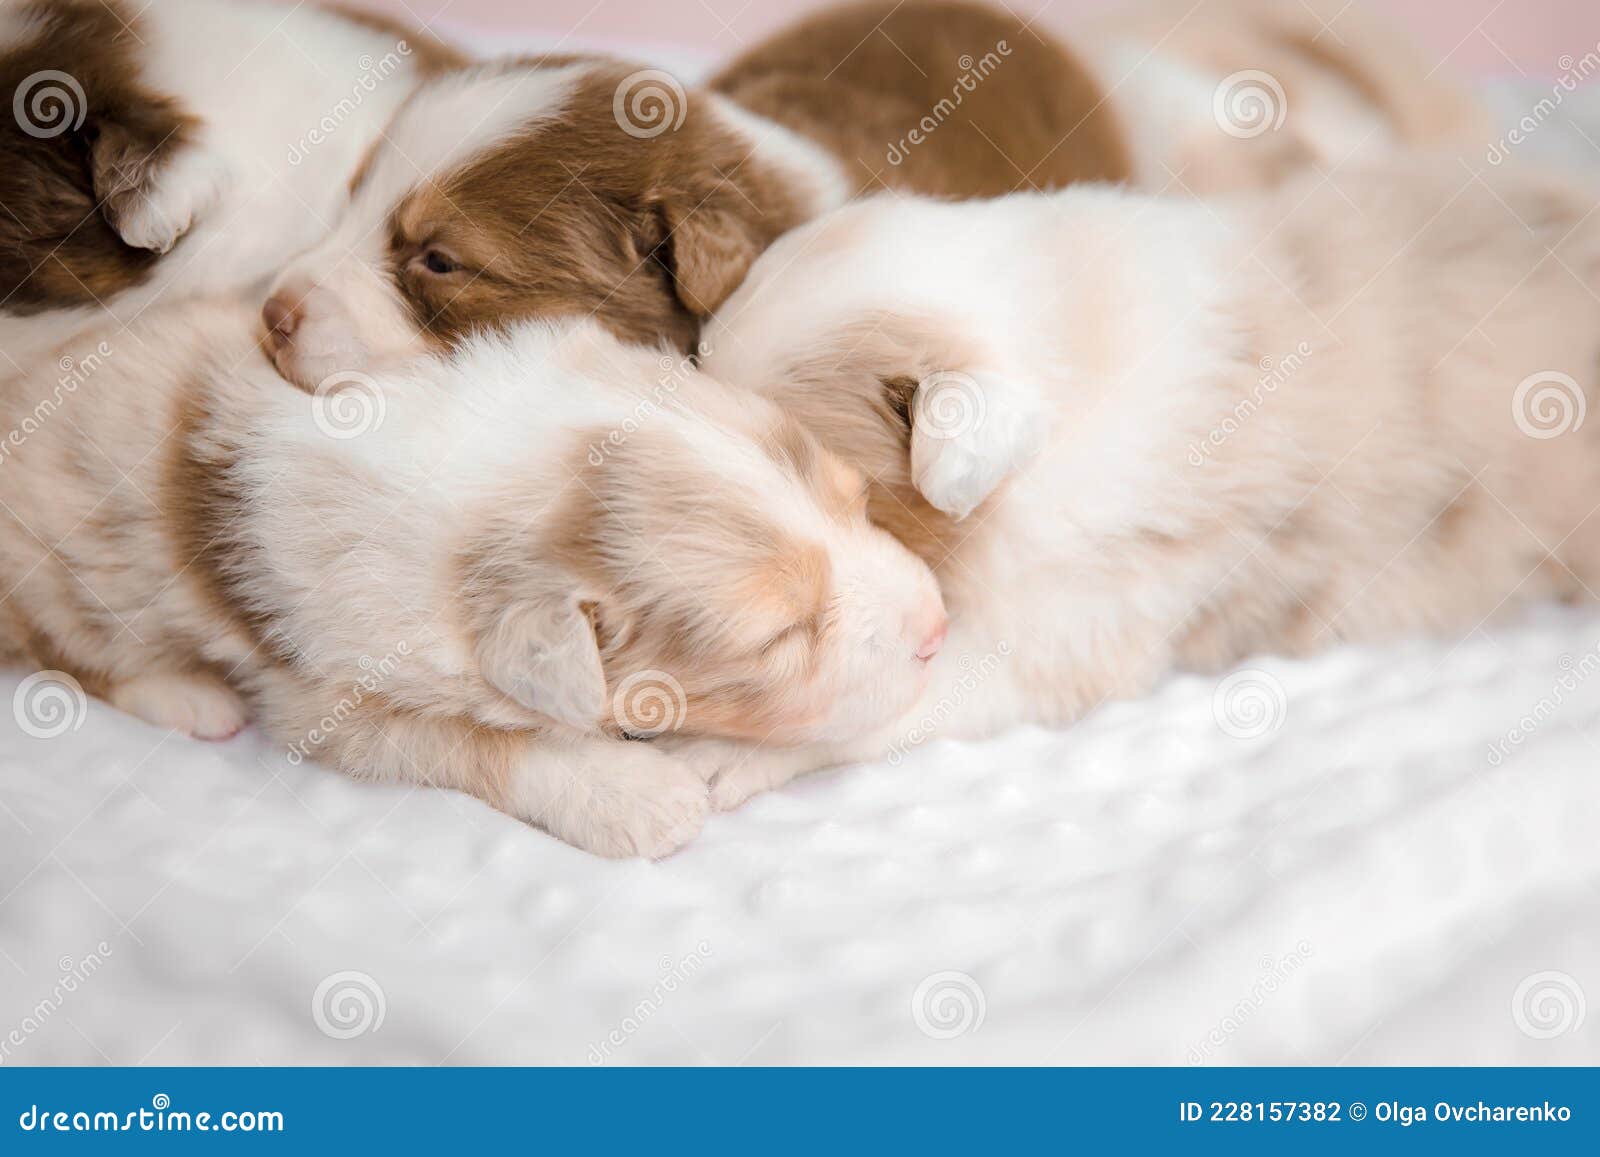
x=310, y=364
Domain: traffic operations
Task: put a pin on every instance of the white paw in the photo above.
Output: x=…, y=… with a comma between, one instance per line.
x=635, y=802
x=153, y=207
x=197, y=705
x=738, y=771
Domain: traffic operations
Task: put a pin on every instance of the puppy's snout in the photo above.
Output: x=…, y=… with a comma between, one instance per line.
x=281, y=315
x=932, y=630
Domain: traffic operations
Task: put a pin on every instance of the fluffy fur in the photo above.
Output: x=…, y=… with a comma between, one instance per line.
x=1134, y=435
x=481, y=573
x=191, y=148
x=579, y=186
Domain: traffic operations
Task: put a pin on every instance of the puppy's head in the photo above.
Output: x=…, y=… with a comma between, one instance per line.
x=567, y=187
x=711, y=570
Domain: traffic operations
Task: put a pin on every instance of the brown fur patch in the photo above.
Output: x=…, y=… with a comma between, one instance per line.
x=576, y=217
x=859, y=79
x=57, y=247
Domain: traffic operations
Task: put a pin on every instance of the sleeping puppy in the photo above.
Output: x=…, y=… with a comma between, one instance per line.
x=573, y=186
x=580, y=186
x=553, y=541
x=1135, y=435
x=178, y=148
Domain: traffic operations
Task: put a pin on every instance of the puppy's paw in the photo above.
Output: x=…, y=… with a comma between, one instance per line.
x=968, y=433
x=152, y=198
x=735, y=772
x=200, y=706
x=634, y=802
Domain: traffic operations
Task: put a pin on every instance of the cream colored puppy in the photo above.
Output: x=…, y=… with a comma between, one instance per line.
x=1132, y=435
x=481, y=573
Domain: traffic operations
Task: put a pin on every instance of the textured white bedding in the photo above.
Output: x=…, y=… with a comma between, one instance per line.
x=1357, y=883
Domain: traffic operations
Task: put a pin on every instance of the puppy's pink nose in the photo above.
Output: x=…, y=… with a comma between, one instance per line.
x=281, y=314
x=935, y=640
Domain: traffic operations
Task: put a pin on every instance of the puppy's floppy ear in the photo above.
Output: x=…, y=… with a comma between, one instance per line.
x=710, y=244
x=542, y=652
x=969, y=432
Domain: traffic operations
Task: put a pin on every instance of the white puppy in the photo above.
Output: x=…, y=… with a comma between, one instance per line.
x=1132, y=434
x=552, y=541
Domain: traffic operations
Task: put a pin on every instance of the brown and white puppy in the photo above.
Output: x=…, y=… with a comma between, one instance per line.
x=1136, y=434
x=478, y=574
x=589, y=187
x=177, y=148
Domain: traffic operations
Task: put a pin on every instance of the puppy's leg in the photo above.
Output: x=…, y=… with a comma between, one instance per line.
x=611, y=797
x=152, y=190
x=969, y=431
x=197, y=704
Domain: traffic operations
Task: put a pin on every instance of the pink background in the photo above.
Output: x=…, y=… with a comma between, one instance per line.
x=1501, y=37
